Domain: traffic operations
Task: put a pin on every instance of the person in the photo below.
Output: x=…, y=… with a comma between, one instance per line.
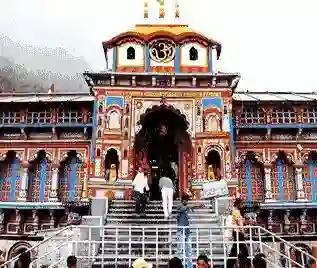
x=167, y=191
x=203, y=261
x=238, y=236
x=184, y=247
x=140, y=186
x=141, y=263
x=259, y=261
x=71, y=261
x=175, y=263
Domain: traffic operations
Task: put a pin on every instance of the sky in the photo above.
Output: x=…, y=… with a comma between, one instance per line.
x=272, y=43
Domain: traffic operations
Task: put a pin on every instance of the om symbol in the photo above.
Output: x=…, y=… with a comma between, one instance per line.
x=162, y=51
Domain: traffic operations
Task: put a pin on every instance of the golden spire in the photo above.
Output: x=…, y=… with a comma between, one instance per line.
x=146, y=9
x=177, y=10
x=162, y=11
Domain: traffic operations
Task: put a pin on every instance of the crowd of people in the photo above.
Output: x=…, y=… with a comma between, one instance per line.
x=239, y=250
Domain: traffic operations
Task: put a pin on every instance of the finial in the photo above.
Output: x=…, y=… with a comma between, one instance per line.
x=146, y=9
x=177, y=15
x=162, y=11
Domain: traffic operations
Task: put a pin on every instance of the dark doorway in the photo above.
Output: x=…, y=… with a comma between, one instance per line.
x=111, y=165
x=163, y=133
x=213, y=162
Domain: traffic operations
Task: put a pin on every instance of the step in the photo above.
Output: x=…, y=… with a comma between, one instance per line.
x=144, y=221
x=162, y=262
x=160, y=201
x=156, y=210
x=160, y=215
x=156, y=206
x=149, y=251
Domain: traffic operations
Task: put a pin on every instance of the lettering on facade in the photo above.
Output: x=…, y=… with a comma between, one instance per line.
x=171, y=94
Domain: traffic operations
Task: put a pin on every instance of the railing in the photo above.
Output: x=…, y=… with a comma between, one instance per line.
x=122, y=245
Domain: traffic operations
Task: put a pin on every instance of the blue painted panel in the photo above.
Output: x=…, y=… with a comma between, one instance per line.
x=14, y=178
x=43, y=180
x=94, y=130
x=280, y=166
x=73, y=180
x=177, y=61
x=115, y=100
x=212, y=101
x=114, y=60
x=312, y=179
x=211, y=67
x=147, y=59
x=248, y=166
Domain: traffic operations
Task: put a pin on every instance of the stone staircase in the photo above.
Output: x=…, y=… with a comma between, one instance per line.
x=127, y=236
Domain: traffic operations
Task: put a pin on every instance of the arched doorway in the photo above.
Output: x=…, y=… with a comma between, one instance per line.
x=213, y=163
x=163, y=146
x=17, y=249
x=111, y=165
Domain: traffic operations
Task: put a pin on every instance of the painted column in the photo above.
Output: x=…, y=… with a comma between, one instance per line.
x=211, y=66
x=54, y=186
x=214, y=59
x=248, y=167
x=147, y=59
x=114, y=59
x=267, y=181
x=14, y=177
x=177, y=60
x=84, y=195
x=299, y=183
x=23, y=194
x=73, y=180
x=43, y=180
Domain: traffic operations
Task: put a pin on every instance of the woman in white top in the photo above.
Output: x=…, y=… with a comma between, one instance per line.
x=140, y=187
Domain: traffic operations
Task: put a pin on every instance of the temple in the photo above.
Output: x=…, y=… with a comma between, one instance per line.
x=165, y=106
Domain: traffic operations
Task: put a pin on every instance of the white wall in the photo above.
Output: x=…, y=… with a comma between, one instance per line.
x=202, y=55
x=139, y=55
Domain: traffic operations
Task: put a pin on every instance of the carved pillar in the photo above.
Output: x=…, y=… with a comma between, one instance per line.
x=299, y=182
x=52, y=219
x=287, y=221
x=23, y=194
x=267, y=181
x=1, y=221
x=36, y=220
x=54, y=185
x=84, y=195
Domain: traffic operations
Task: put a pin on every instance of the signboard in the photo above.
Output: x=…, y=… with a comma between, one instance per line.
x=215, y=188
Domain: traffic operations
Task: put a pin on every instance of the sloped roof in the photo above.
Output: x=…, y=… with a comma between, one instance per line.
x=274, y=96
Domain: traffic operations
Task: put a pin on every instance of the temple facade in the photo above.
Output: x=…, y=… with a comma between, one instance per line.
x=59, y=150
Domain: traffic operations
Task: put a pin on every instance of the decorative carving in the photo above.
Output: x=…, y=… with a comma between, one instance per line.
x=287, y=221
x=162, y=51
x=270, y=220
x=303, y=221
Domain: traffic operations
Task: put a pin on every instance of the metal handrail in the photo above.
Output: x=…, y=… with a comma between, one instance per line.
x=253, y=239
x=37, y=245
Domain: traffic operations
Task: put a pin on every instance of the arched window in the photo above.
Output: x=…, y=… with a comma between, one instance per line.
x=193, y=54
x=131, y=53
x=283, y=180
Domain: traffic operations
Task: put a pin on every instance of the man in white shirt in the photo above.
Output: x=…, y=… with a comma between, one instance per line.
x=167, y=190
x=140, y=186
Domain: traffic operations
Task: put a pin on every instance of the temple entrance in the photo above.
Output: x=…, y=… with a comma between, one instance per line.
x=159, y=146
x=213, y=162
x=111, y=165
